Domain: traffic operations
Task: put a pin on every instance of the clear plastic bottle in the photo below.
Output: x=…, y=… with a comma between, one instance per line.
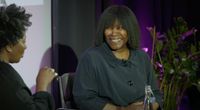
x=149, y=98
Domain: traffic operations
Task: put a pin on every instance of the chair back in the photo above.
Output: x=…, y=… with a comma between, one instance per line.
x=65, y=87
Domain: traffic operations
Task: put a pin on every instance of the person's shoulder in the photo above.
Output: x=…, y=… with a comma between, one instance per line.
x=5, y=66
x=140, y=52
x=90, y=52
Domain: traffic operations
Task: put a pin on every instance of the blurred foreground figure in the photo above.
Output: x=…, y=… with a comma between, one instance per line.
x=14, y=94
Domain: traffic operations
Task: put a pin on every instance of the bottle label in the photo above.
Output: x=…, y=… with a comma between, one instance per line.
x=152, y=99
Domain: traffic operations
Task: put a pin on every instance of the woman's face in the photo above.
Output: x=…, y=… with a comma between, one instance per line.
x=116, y=37
x=17, y=51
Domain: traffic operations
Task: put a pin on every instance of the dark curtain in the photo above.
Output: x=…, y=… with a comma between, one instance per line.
x=73, y=27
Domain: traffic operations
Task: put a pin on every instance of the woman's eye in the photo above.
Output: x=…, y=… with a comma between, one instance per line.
x=119, y=27
x=109, y=28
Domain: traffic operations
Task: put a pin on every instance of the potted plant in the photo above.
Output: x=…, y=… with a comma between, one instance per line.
x=175, y=56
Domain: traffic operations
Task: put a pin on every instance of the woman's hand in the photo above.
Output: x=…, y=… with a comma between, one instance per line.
x=155, y=106
x=44, y=78
x=135, y=106
x=140, y=106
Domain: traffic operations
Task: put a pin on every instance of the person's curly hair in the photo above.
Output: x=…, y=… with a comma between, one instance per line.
x=14, y=21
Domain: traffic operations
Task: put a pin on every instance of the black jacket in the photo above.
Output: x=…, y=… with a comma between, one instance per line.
x=15, y=95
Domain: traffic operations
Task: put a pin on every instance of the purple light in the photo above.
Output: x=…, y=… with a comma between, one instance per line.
x=145, y=49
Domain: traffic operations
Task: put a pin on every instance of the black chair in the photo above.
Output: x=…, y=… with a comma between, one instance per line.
x=64, y=89
x=64, y=61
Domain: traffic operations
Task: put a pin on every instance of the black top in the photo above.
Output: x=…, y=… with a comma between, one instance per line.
x=15, y=95
x=102, y=78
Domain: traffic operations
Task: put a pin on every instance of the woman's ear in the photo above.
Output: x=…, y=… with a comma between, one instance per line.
x=8, y=48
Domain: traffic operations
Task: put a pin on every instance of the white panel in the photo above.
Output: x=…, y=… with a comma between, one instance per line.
x=26, y=2
x=38, y=42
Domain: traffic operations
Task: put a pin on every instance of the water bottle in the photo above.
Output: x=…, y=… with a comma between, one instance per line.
x=149, y=98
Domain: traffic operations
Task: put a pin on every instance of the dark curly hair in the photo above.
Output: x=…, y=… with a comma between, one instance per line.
x=13, y=23
x=126, y=18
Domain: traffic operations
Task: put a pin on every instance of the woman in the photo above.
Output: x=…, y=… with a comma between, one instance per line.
x=14, y=94
x=112, y=75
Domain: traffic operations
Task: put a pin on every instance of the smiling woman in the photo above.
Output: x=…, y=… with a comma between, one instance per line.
x=116, y=36
x=112, y=75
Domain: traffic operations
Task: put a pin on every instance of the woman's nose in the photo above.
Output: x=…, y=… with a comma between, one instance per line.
x=114, y=31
